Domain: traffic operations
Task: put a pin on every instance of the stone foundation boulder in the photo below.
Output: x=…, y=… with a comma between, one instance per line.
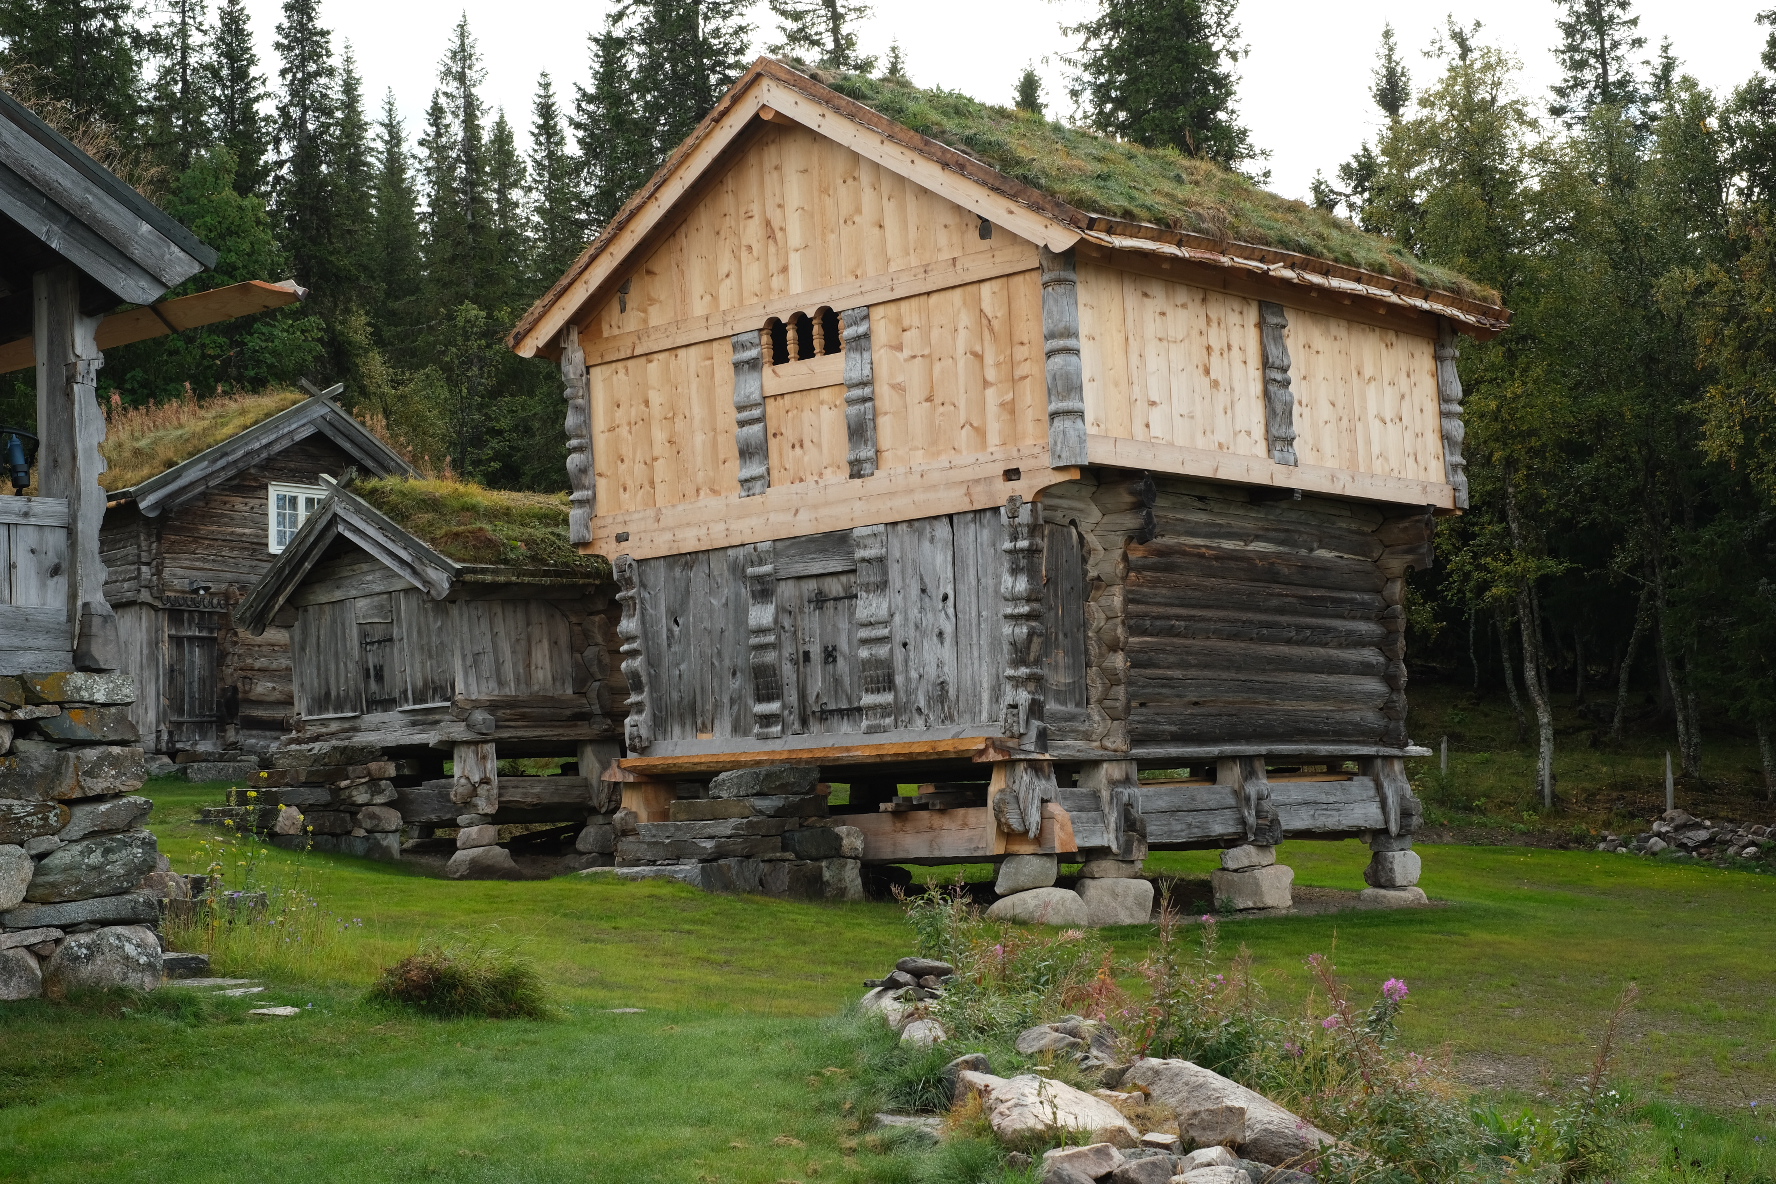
x=1258, y=888
x=99, y=866
x=119, y=957
x=1393, y=869
x=1116, y=902
x=776, y=781
x=1020, y=873
x=1393, y=898
x=1041, y=906
x=21, y=975
x=482, y=863
x=16, y=870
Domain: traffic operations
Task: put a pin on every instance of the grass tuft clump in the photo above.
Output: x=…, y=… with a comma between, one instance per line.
x=144, y=442
x=464, y=982
x=473, y=524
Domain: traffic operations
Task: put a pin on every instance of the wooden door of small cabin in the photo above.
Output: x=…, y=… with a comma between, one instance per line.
x=193, y=662
x=375, y=620
x=817, y=616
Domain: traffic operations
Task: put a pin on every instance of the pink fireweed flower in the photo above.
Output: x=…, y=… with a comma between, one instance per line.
x=1394, y=990
x=1330, y=1021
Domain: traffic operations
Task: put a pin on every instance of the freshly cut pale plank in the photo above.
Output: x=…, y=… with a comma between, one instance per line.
x=170, y=316
x=667, y=766
x=1260, y=470
x=942, y=836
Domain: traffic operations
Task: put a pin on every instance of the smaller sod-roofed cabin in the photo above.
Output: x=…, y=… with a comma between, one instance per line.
x=431, y=620
x=935, y=442
x=203, y=496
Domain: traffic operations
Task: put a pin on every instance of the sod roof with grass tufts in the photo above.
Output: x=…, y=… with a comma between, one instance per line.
x=1113, y=193
x=144, y=442
x=1156, y=186
x=476, y=525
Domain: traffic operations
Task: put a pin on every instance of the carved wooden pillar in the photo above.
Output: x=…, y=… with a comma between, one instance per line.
x=875, y=634
x=860, y=393
x=1117, y=784
x=1066, y=375
x=750, y=436
x=576, y=389
x=761, y=640
x=475, y=782
x=1021, y=589
x=1449, y=406
x=638, y=727
x=1279, y=398
x=1251, y=791
x=71, y=427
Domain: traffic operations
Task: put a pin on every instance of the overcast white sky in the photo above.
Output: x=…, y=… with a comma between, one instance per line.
x=1304, y=89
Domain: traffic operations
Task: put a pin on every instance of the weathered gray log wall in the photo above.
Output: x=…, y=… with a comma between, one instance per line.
x=1218, y=621
x=378, y=658
x=1260, y=622
x=885, y=629
x=217, y=541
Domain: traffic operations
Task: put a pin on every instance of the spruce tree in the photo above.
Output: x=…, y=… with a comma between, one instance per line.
x=306, y=191
x=353, y=174
x=179, y=126
x=236, y=89
x=393, y=257
x=1596, y=38
x=80, y=52
x=822, y=32
x=616, y=146
x=557, y=230
x=1391, y=88
x=1160, y=73
x=459, y=220
x=687, y=53
x=1391, y=84
x=1029, y=91
x=507, y=258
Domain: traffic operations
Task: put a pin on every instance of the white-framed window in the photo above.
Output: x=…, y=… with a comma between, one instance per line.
x=290, y=506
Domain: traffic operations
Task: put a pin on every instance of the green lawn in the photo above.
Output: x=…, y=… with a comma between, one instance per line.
x=1517, y=972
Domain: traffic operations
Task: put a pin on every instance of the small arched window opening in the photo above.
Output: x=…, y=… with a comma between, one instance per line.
x=826, y=331
x=801, y=337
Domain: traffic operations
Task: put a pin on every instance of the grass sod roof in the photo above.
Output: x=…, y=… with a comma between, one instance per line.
x=476, y=525
x=1156, y=186
x=144, y=442
x=1114, y=192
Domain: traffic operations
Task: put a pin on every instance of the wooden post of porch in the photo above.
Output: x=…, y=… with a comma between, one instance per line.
x=71, y=427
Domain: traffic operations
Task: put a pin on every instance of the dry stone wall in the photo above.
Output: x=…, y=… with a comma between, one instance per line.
x=82, y=880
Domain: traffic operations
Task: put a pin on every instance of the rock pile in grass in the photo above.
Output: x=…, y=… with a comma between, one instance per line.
x=1152, y=1122
x=1684, y=836
x=82, y=880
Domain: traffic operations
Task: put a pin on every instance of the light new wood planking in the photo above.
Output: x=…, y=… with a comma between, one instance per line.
x=785, y=196
x=814, y=507
x=1260, y=470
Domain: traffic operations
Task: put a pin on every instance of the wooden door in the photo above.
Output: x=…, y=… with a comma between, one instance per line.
x=192, y=670
x=818, y=615
x=376, y=652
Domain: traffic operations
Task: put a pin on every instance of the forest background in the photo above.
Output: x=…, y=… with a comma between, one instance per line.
x=1621, y=549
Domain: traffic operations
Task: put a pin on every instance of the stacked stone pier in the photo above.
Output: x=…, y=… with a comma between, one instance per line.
x=81, y=878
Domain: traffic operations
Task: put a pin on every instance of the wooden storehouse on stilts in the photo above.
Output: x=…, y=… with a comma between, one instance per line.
x=197, y=512
x=1011, y=462
x=433, y=621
